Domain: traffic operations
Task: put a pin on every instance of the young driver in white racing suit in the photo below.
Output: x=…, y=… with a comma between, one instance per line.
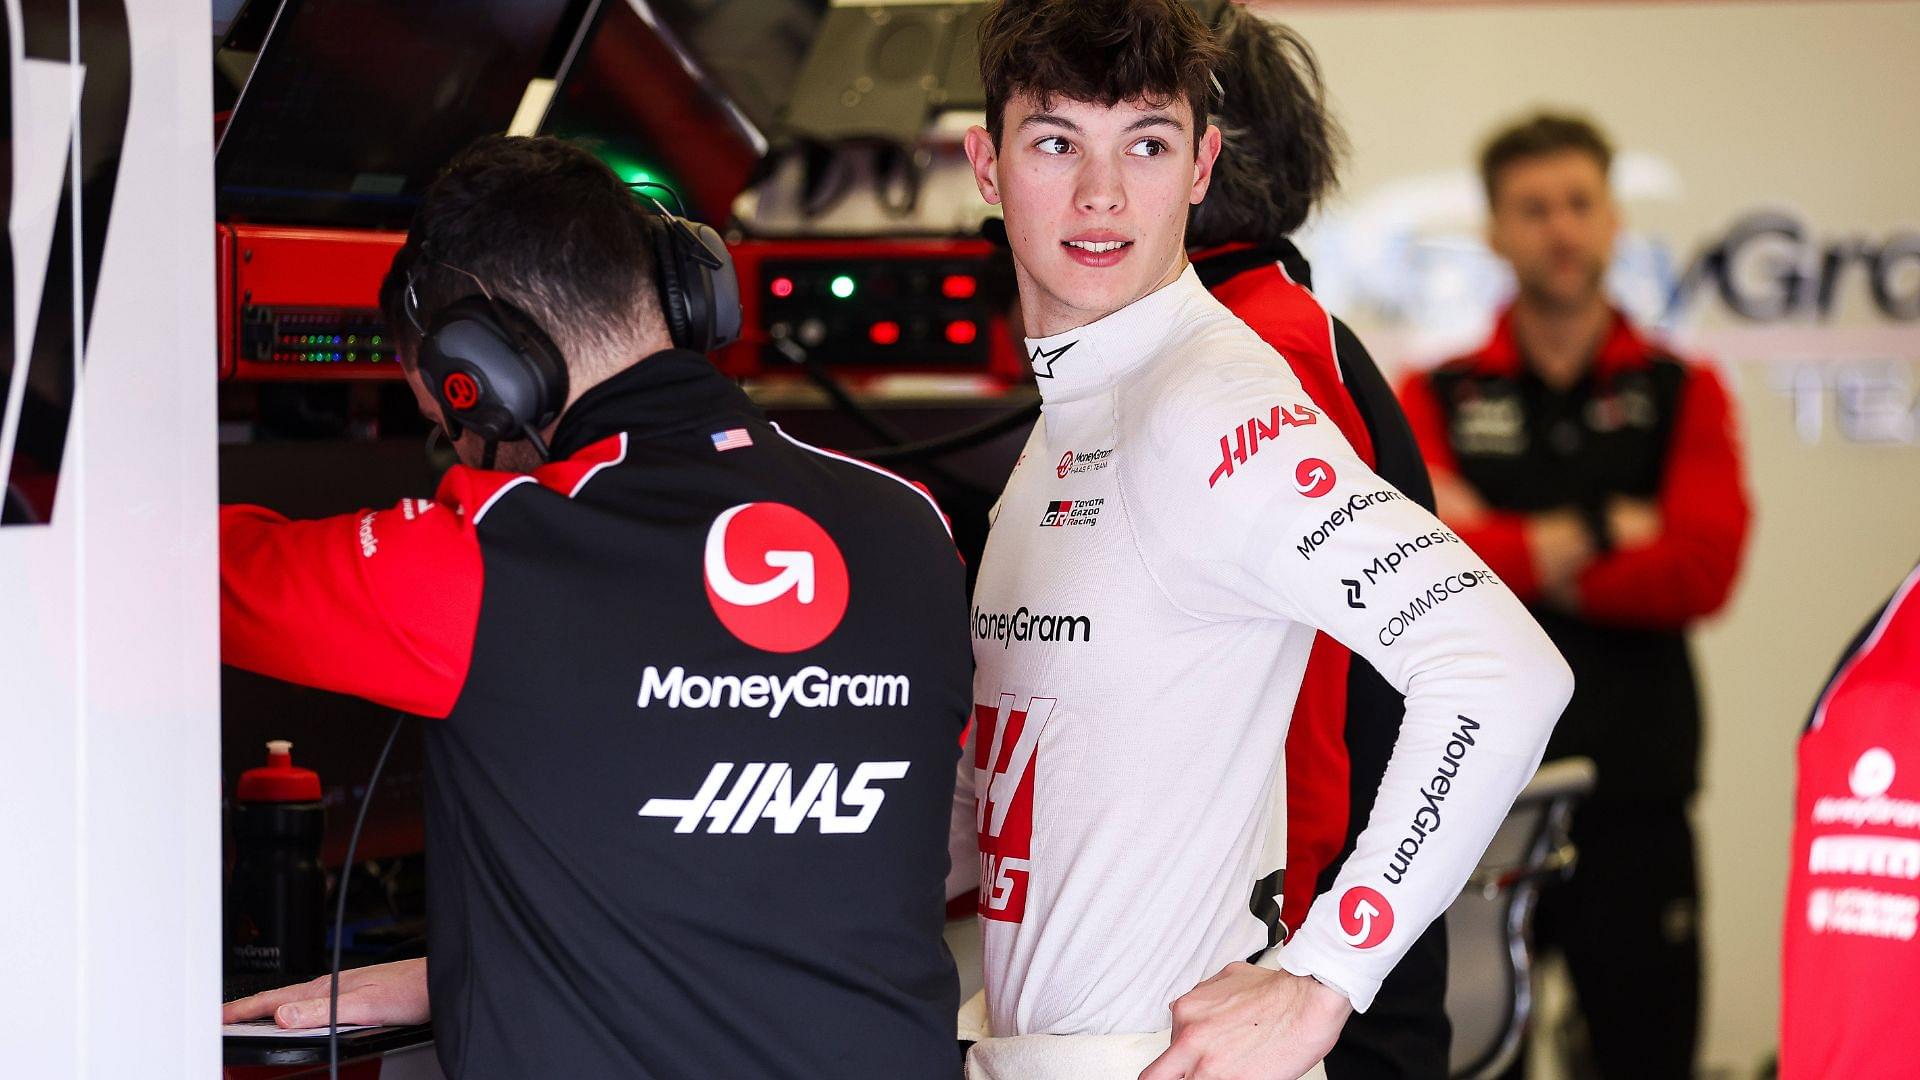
x=1182, y=521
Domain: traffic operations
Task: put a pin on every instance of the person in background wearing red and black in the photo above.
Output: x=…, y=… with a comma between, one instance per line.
x=1853, y=887
x=1280, y=153
x=1599, y=476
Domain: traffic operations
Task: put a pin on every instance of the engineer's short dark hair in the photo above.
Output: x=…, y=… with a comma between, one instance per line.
x=1281, y=148
x=548, y=228
x=1099, y=51
x=1539, y=135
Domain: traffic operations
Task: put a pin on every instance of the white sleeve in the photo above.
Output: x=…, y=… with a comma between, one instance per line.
x=1298, y=527
x=963, y=836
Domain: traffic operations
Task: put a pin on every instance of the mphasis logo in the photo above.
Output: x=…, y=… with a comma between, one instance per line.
x=1006, y=741
x=775, y=795
x=72, y=62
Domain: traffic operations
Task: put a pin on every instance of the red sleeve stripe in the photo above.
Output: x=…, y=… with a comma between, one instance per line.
x=872, y=468
x=1866, y=647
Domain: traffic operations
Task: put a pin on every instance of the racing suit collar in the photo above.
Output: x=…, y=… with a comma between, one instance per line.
x=1095, y=356
x=668, y=391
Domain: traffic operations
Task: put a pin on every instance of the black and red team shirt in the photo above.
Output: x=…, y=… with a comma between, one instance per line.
x=697, y=690
x=1852, y=939
x=1641, y=423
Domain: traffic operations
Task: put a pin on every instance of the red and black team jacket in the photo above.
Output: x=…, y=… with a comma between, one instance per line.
x=697, y=693
x=1641, y=423
x=1852, y=937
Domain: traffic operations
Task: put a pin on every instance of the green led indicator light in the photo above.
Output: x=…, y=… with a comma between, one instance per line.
x=842, y=286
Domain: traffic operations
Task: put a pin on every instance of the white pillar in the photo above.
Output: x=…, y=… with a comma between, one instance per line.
x=109, y=652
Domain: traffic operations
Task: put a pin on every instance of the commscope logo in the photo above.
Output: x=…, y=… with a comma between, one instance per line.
x=1435, y=595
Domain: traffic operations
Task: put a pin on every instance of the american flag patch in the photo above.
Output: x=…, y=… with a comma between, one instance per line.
x=732, y=439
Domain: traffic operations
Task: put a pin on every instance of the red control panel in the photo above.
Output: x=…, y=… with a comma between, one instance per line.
x=300, y=303
x=303, y=303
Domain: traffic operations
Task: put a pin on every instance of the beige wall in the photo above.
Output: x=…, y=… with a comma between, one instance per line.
x=1719, y=110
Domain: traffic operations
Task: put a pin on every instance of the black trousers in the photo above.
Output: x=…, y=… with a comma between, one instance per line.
x=1405, y=1034
x=1628, y=924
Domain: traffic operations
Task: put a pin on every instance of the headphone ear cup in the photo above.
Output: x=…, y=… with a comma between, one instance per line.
x=670, y=273
x=715, y=305
x=492, y=369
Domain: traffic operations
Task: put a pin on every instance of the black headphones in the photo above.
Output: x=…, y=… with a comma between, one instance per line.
x=493, y=369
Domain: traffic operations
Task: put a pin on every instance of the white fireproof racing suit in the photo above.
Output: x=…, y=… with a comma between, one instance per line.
x=1180, y=523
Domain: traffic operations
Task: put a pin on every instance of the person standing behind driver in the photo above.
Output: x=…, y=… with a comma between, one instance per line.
x=1599, y=476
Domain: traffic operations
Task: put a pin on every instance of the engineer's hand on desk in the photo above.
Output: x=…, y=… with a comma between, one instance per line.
x=1249, y=1023
x=393, y=993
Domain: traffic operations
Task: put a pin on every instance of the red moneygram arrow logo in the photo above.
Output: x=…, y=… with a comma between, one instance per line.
x=776, y=580
x=1365, y=917
x=1313, y=477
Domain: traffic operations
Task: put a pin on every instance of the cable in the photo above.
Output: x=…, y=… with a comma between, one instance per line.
x=340, y=905
x=539, y=444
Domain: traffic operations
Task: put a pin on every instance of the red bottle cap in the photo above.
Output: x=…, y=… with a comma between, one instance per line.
x=279, y=780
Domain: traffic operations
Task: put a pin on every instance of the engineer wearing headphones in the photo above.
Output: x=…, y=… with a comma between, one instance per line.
x=696, y=688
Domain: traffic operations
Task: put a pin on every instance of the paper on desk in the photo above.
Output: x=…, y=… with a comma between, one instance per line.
x=267, y=1029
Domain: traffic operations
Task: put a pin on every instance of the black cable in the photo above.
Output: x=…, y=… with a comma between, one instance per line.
x=539, y=444
x=837, y=392
x=340, y=905
x=984, y=432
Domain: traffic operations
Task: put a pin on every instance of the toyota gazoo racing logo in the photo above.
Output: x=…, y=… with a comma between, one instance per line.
x=1365, y=917
x=1061, y=512
x=1313, y=477
x=775, y=578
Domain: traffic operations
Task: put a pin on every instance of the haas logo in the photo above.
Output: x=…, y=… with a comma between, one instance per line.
x=774, y=577
x=462, y=391
x=1365, y=917
x=1006, y=739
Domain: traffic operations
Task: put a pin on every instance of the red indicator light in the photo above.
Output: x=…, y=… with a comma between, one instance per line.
x=782, y=287
x=962, y=331
x=958, y=287
x=884, y=333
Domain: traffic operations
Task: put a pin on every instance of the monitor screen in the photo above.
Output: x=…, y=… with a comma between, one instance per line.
x=354, y=105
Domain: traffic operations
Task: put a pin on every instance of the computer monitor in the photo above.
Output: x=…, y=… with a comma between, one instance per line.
x=353, y=106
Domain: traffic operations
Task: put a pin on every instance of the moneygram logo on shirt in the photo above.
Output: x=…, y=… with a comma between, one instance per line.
x=1005, y=744
x=1081, y=462
x=1871, y=778
x=774, y=577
